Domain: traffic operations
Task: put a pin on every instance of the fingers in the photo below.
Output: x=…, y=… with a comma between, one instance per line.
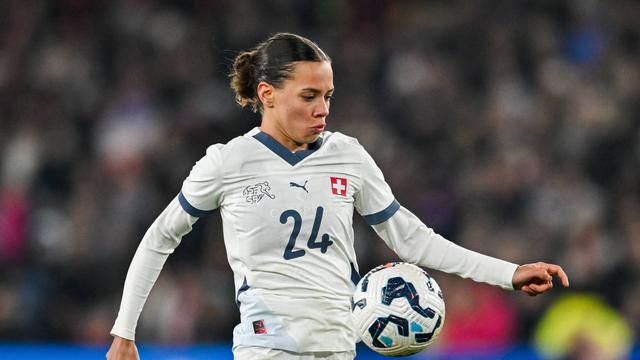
x=544, y=274
x=526, y=289
x=540, y=288
x=550, y=270
x=557, y=270
x=534, y=289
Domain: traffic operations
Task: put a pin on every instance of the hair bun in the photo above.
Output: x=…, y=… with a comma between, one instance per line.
x=243, y=79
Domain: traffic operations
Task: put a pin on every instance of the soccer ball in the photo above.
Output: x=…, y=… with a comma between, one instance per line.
x=398, y=309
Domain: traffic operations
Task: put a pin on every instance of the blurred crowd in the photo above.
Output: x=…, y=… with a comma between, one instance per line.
x=510, y=127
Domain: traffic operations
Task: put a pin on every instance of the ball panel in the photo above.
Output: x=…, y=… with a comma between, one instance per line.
x=398, y=309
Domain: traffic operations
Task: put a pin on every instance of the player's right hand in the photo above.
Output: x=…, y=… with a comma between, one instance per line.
x=123, y=349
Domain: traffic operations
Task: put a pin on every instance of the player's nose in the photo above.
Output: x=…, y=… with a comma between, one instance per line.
x=322, y=110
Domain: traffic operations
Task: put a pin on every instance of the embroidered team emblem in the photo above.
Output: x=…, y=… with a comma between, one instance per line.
x=339, y=186
x=255, y=193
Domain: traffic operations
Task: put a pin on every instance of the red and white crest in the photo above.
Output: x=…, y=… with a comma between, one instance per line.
x=339, y=186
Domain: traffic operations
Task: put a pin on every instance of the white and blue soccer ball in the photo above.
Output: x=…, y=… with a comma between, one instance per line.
x=398, y=309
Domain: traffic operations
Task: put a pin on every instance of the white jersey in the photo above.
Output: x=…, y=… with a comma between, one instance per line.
x=287, y=222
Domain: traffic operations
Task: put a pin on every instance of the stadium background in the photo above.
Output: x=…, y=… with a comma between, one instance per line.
x=510, y=127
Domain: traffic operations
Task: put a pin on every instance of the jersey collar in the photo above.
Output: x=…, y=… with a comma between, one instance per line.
x=279, y=149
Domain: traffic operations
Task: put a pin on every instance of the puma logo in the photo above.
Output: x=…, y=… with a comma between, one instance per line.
x=303, y=187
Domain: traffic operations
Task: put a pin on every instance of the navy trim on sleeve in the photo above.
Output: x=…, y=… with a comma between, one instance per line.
x=190, y=209
x=384, y=215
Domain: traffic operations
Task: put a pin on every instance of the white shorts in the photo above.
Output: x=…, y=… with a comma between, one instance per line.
x=262, y=353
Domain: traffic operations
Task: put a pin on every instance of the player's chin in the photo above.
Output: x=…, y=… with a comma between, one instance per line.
x=311, y=137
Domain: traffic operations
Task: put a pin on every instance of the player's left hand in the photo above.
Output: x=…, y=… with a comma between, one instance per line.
x=537, y=278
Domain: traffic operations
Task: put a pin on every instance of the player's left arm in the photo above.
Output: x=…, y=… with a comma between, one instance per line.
x=416, y=243
x=537, y=278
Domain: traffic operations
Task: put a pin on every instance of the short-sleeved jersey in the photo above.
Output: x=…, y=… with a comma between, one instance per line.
x=287, y=223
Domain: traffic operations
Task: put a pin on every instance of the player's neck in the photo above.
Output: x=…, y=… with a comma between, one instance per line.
x=282, y=138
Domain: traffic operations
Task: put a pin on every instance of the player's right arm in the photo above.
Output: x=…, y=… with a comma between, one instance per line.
x=158, y=243
x=198, y=197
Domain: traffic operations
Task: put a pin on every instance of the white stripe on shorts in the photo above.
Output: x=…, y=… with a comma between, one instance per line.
x=263, y=353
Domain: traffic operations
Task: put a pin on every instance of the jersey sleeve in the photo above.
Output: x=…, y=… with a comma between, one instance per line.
x=201, y=191
x=374, y=199
x=160, y=240
x=416, y=243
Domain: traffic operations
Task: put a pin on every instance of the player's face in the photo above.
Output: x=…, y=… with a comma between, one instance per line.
x=301, y=104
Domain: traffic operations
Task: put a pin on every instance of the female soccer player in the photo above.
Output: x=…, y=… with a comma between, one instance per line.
x=286, y=193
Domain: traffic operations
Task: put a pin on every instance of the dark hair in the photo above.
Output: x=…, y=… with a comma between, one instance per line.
x=271, y=61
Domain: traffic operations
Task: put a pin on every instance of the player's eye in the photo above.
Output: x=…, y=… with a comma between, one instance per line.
x=328, y=98
x=308, y=98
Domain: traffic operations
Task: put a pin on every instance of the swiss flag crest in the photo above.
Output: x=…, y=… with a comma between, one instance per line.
x=339, y=186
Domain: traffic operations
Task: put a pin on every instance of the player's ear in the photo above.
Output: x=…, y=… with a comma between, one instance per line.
x=265, y=94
